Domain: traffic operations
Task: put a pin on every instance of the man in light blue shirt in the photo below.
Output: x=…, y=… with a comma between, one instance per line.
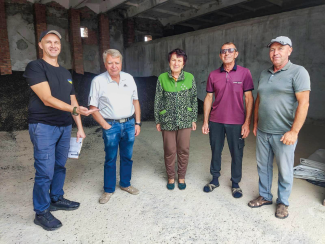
x=280, y=111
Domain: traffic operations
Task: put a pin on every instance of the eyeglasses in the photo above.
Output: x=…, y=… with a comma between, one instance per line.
x=229, y=50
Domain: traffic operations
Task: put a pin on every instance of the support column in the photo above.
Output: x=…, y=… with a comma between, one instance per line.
x=5, y=63
x=40, y=25
x=129, y=32
x=103, y=39
x=75, y=40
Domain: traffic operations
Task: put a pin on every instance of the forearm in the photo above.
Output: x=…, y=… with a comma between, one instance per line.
x=77, y=119
x=207, y=108
x=194, y=101
x=300, y=117
x=249, y=109
x=98, y=117
x=158, y=102
x=257, y=103
x=137, y=111
x=57, y=104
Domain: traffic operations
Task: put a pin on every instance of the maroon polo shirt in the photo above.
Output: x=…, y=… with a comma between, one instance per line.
x=228, y=89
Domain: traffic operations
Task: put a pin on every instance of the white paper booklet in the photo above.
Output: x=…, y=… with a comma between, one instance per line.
x=75, y=147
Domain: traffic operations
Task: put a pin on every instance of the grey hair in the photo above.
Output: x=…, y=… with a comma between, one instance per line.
x=112, y=52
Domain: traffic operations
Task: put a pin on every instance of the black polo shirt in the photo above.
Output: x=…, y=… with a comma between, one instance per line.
x=60, y=82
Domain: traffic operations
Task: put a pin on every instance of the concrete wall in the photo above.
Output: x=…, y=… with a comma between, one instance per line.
x=305, y=27
x=115, y=31
x=20, y=22
x=57, y=19
x=90, y=45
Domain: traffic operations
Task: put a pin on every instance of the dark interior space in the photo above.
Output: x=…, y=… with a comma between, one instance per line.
x=15, y=92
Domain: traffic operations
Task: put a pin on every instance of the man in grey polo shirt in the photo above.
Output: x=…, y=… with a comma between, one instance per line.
x=280, y=111
x=115, y=94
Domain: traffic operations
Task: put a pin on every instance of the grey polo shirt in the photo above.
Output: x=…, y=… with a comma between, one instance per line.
x=278, y=102
x=115, y=100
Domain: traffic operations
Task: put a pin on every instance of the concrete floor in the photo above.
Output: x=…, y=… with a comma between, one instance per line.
x=157, y=215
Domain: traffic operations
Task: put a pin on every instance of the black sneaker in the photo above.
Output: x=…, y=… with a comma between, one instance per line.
x=64, y=204
x=47, y=221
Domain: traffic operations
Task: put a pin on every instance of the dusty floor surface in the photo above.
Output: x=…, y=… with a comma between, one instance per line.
x=157, y=215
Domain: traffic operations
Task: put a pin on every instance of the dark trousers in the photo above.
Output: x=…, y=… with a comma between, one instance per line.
x=236, y=147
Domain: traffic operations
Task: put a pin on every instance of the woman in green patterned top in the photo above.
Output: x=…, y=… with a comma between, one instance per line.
x=176, y=115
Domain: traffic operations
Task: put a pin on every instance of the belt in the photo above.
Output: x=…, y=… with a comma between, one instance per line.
x=120, y=120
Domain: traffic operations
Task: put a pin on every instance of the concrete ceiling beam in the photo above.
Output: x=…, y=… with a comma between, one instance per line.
x=77, y=3
x=185, y=4
x=145, y=6
x=195, y=27
x=205, y=20
x=246, y=7
x=146, y=17
x=108, y=5
x=225, y=14
x=64, y=3
x=132, y=4
x=159, y=10
x=276, y=2
x=204, y=9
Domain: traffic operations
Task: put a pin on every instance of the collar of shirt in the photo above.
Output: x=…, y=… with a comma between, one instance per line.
x=109, y=78
x=180, y=77
x=233, y=69
x=286, y=67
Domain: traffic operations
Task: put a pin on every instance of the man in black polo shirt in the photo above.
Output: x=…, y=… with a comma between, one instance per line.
x=49, y=117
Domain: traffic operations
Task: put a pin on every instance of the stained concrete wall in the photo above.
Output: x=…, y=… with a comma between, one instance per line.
x=116, y=31
x=305, y=27
x=57, y=19
x=20, y=22
x=90, y=47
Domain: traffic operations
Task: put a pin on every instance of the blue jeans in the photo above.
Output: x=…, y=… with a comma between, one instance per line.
x=51, y=147
x=236, y=145
x=120, y=135
x=268, y=146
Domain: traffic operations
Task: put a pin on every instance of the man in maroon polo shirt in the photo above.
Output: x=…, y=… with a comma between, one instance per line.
x=228, y=118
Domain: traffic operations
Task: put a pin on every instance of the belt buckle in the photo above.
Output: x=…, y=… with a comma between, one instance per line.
x=122, y=120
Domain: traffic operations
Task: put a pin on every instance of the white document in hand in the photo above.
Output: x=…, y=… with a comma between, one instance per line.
x=75, y=147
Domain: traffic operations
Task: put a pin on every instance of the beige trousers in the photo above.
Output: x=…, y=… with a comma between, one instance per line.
x=176, y=142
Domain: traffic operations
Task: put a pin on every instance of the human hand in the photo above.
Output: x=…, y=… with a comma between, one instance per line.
x=289, y=138
x=137, y=130
x=80, y=134
x=193, y=126
x=158, y=127
x=85, y=111
x=107, y=126
x=205, y=128
x=245, y=130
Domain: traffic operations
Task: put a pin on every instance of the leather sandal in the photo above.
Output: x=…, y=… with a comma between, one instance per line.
x=258, y=202
x=281, y=211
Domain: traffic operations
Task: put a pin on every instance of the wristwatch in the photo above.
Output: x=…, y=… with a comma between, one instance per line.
x=74, y=111
x=139, y=124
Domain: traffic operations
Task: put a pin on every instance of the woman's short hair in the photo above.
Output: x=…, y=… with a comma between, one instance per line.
x=179, y=53
x=112, y=52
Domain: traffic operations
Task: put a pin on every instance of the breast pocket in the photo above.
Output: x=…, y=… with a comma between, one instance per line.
x=237, y=86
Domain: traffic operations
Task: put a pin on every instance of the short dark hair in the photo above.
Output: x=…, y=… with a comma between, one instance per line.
x=228, y=43
x=179, y=53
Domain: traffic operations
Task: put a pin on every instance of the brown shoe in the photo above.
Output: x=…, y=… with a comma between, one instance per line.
x=132, y=190
x=105, y=197
x=281, y=211
x=258, y=202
